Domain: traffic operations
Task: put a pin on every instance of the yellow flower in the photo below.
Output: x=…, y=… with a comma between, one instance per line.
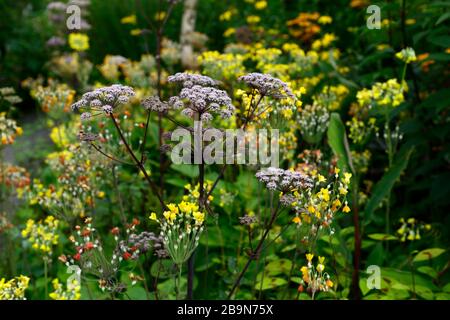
x=136, y=32
x=19, y=131
x=320, y=267
x=347, y=177
x=229, y=32
x=101, y=194
x=407, y=55
x=199, y=217
x=226, y=16
x=346, y=209
x=309, y=256
x=170, y=216
x=329, y=283
x=321, y=178
x=131, y=19
x=253, y=19
x=153, y=216
x=296, y=220
x=159, y=16
x=343, y=191
x=173, y=208
x=321, y=259
x=325, y=20
x=79, y=41
x=260, y=5
x=325, y=194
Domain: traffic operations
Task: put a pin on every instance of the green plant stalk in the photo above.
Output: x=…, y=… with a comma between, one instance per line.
x=46, y=277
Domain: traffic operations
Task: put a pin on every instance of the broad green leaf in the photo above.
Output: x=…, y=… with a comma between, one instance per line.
x=428, y=271
x=381, y=236
x=338, y=142
x=385, y=185
x=137, y=293
x=279, y=266
x=270, y=283
x=424, y=292
x=188, y=170
x=428, y=254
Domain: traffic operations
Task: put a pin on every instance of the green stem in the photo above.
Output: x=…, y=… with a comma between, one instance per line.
x=46, y=277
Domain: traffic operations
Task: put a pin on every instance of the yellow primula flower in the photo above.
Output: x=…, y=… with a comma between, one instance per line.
x=79, y=41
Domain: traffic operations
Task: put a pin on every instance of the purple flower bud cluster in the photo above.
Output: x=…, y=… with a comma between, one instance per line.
x=104, y=99
x=283, y=180
x=141, y=243
x=55, y=42
x=153, y=103
x=267, y=85
x=247, y=220
x=188, y=80
x=206, y=100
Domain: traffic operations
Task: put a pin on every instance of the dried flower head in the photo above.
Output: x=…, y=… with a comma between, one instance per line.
x=267, y=85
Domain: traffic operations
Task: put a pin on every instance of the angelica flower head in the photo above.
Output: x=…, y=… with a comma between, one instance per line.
x=189, y=80
x=104, y=100
x=267, y=85
x=283, y=180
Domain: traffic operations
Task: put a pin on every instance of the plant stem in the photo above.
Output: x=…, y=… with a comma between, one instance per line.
x=255, y=254
x=356, y=292
x=138, y=163
x=46, y=277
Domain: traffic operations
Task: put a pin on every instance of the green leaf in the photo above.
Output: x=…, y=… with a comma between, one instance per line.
x=270, y=283
x=381, y=236
x=279, y=266
x=428, y=254
x=442, y=18
x=137, y=293
x=429, y=271
x=384, y=186
x=187, y=170
x=338, y=142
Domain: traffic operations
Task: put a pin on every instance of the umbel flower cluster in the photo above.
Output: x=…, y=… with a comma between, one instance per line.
x=313, y=122
x=181, y=227
x=383, y=94
x=71, y=292
x=410, y=229
x=267, y=85
x=42, y=235
x=283, y=180
x=317, y=207
x=314, y=279
x=14, y=289
x=8, y=129
x=91, y=258
x=198, y=99
x=103, y=100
